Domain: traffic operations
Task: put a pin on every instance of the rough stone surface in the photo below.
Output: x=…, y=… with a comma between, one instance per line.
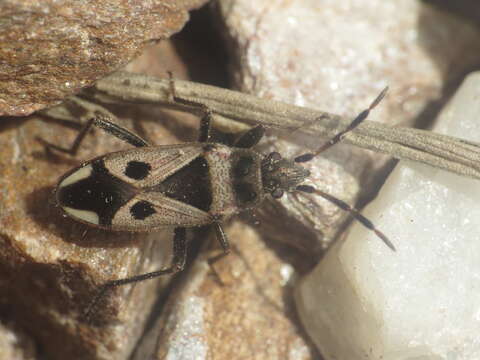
x=14, y=345
x=249, y=317
x=252, y=315
x=51, y=49
x=422, y=302
x=468, y=9
x=51, y=266
x=337, y=56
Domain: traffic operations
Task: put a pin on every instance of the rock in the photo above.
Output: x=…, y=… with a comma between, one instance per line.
x=364, y=301
x=338, y=56
x=51, y=266
x=15, y=345
x=51, y=49
x=248, y=317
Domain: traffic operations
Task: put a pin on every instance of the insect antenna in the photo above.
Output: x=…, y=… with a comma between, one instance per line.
x=357, y=121
x=339, y=203
x=353, y=211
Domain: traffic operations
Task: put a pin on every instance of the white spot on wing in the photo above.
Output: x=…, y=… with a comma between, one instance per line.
x=85, y=215
x=82, y=173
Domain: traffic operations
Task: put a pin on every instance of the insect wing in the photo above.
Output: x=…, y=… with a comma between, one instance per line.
x=124, y=182
x=149, y=166
x=148, y=211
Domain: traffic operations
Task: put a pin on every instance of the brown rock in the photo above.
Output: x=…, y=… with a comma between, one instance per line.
x=51, y=49
x=51, y=266
x=250, y=316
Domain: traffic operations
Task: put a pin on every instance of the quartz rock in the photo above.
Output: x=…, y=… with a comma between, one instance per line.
x=421, y=302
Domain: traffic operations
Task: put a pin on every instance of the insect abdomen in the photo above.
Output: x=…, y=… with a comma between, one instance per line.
x=93, y=195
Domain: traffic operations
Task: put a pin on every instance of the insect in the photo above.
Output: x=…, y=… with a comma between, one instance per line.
x=147, y=188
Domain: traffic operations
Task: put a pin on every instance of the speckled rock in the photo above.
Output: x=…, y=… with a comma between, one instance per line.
x=248, y=317
x=337, y=56
x=52, y=49
x=50, y=266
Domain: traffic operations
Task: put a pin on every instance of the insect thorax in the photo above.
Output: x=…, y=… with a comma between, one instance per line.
x=236, y=180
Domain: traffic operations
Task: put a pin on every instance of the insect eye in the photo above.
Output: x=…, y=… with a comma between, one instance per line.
x=270, y=162
x=275, y=156
x=271, y=184
x=277, y=193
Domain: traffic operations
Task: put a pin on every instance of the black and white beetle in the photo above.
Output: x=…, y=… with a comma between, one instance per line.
x=181, y=186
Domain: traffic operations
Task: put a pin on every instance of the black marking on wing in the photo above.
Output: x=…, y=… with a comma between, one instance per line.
x=137, y=170
x=101, y=193
x=142, y=209
x=191, y=185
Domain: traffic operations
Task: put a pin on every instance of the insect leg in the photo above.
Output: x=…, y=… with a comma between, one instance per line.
x=207, y=133
x=360, y=117
x=76, y=143
x=204, y=133
x=101, y=121
x=205, y=122
x=178, y=264
x=251, y=137
x=222, y=239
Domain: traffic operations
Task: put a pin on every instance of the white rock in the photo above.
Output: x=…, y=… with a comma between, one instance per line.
x=423, y=302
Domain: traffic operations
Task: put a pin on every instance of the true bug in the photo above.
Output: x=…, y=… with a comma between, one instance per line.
x=181, y=186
